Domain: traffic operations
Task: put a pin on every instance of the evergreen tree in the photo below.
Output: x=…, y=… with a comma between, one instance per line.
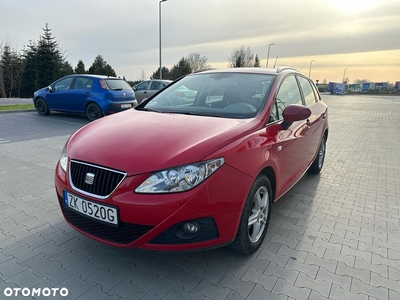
x=63, y=69
x=29, y=77
x=180, y=69
x=165, y=73
x=49, y=59
x=256, y=62
x=80, y=68
x=239, y=62
x=109, y=71
x=100, y=67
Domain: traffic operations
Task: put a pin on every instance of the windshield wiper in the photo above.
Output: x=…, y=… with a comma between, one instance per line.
x=147, y=109
x=191, y=113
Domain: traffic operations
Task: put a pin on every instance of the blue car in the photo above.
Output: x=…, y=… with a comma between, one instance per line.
x=93, y=95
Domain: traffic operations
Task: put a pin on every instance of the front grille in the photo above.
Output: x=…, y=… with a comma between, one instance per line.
x=104, y=181
x=124, y=234
x=208, y=230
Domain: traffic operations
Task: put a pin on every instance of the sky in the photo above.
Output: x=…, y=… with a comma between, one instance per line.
x=357, y=39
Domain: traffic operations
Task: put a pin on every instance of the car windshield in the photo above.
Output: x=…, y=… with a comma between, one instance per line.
x=227, y=95
x=117, y=84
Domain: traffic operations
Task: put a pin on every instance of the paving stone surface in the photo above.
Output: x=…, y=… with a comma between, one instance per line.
x=332, y=236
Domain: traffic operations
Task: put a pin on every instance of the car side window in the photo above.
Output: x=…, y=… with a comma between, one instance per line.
x=156, y=85
x=288, y=93
x=63, y=84
x=317, y=95
x=82, y=83
x=143, y=86
x=308, y=92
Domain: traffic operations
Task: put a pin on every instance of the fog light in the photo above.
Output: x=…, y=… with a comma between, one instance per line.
x=190, y=228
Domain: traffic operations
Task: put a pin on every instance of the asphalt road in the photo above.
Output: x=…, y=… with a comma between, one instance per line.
x=24, y=126
x=332, y=236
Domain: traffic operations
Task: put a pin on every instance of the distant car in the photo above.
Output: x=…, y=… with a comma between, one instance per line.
x=93, y=95
x=148, y=88
x=187, y=173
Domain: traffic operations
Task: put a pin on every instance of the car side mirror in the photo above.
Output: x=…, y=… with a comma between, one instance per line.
x=50, y=88
x=293, y=113
x=134, y=89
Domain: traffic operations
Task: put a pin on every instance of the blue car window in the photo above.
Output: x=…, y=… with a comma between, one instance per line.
x=83, y=83
x=63, y=84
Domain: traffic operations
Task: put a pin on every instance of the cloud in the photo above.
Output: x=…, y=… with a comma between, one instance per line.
x=125, y=32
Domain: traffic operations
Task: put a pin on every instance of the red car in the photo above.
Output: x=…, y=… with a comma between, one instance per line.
x=194, y=170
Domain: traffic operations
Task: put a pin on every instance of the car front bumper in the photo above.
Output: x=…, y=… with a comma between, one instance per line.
x=153, y=221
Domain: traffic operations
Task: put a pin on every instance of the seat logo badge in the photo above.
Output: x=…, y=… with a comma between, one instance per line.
x=89, y=178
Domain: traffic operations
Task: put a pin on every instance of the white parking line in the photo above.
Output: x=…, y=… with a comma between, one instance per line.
x=3, y=141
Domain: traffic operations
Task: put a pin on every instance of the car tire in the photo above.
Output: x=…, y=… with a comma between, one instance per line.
x=42, y=107
x=318, y=162
x=255, y=217
x=93, y=112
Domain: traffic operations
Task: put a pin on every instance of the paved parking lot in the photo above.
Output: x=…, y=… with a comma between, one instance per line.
x=333, y=236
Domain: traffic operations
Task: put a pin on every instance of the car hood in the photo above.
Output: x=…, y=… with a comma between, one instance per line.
x=41, y=91
x=138, y=141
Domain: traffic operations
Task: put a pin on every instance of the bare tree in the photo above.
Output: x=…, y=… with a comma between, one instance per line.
x=197, y=62
x=241, y=57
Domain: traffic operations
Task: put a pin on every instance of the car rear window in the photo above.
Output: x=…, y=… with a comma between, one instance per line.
x=117, y=84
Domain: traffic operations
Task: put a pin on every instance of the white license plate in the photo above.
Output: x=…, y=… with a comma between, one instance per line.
x=91, y=209
x=126, y=105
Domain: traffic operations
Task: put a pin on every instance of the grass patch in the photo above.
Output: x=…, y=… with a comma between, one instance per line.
x=16, y=106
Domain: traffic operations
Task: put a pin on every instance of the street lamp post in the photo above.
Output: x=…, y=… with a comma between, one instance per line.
x=159, y=35
x=344, y=74
x=309, y=71
x=269, y=46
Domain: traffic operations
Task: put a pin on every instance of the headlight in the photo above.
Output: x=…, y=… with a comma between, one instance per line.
x=64, y=159
x=181, y=178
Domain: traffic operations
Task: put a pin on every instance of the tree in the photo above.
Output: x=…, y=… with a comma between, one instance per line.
x=2, y=87
x=241, y=57
x=49, y=59
x=80, y=68
x=11, y=69
x=256, y=62
x=165, y=73
x=64, y=69
x=197, y=62
x=29, y=77
x=188, y=64
x=180, y=69
x=100, y=67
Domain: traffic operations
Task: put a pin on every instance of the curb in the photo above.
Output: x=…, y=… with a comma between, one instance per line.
x=16, y=111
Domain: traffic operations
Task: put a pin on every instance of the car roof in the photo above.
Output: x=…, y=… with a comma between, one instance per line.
x=94, y=76
x=271, y=71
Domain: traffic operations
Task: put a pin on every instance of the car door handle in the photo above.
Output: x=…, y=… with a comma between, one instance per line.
x=144, y=92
